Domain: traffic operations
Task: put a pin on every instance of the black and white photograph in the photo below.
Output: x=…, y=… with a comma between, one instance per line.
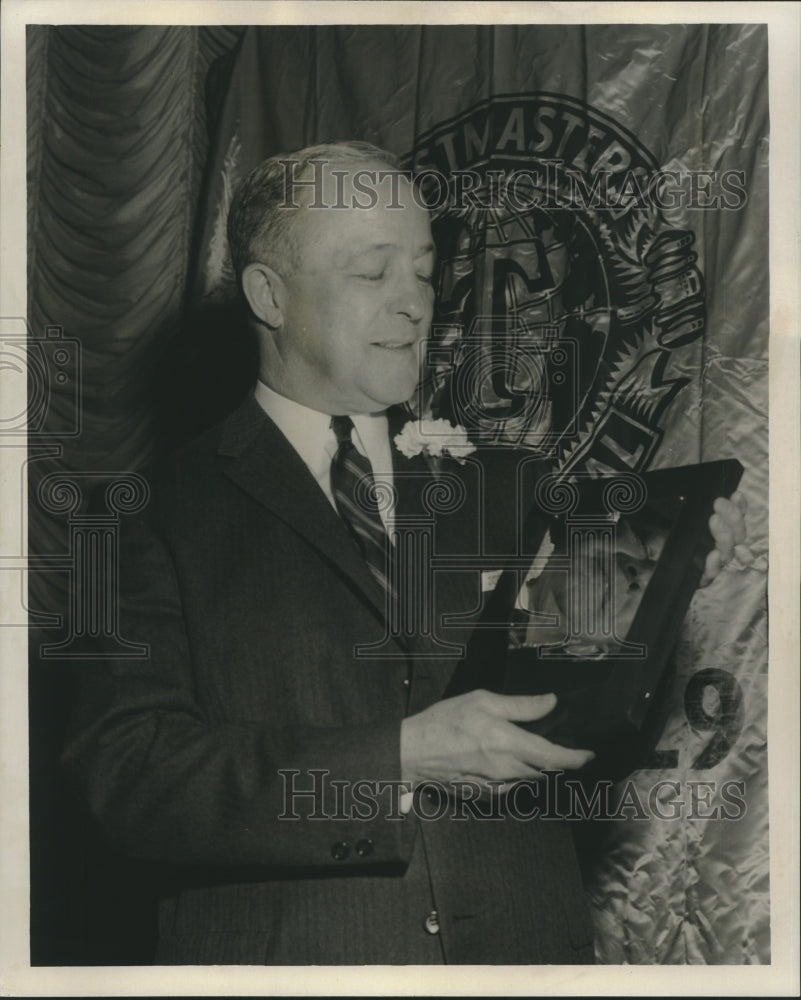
x=399, y=423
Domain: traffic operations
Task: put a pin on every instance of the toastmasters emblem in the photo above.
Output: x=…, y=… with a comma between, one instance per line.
x=565, y=290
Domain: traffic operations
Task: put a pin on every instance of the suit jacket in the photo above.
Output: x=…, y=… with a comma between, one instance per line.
x=253, y=600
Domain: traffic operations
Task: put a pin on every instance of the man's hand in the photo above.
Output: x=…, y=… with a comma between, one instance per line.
x=473, y=737
x=727, y=525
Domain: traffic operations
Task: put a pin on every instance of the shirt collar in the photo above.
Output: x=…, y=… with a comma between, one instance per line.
x=309, y=431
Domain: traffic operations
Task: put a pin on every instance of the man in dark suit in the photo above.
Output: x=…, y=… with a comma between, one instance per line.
x=267, y=746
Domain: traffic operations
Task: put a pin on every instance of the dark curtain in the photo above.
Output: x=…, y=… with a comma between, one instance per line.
x=117, y=142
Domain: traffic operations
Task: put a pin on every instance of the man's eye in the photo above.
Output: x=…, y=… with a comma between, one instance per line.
x=425, y=278
x=372, y=276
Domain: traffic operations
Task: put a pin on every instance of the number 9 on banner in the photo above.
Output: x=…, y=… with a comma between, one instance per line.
x=713, y=703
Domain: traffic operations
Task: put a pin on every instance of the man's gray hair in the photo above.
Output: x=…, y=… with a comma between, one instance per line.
x=261, y=213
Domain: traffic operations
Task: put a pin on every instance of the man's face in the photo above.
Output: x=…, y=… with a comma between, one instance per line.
x=359, y=305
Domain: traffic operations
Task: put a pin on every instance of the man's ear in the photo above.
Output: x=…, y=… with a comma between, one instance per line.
x=266, y=293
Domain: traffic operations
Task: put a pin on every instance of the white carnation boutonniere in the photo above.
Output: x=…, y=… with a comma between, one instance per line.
x=434, y=438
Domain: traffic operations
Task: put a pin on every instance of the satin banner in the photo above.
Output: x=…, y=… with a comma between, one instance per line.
x=625, y=276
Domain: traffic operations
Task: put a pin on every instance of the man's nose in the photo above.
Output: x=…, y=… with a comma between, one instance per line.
x=413, y=299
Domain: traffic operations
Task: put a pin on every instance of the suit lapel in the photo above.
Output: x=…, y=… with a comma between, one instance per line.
x=266, y=466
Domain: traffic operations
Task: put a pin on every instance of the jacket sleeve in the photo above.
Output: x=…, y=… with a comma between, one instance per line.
x=166, y=783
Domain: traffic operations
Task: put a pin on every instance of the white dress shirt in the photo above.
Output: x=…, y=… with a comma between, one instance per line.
x=310, y=434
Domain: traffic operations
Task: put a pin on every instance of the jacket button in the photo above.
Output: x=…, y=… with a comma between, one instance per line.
x=364, y=848
x=340, y=851
x=432, y=923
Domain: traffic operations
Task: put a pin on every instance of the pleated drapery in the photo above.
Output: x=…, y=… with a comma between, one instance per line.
x=117, y=145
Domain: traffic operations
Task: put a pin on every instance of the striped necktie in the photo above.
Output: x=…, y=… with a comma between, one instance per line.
x=352, y=486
